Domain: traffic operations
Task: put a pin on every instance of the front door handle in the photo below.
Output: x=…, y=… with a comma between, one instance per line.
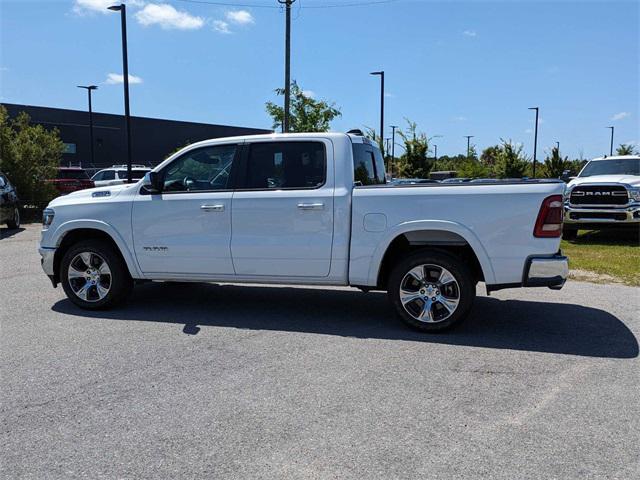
x=212, y=208
x=311, y=206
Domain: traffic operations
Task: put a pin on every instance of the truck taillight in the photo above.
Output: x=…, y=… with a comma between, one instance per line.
x=549, y=221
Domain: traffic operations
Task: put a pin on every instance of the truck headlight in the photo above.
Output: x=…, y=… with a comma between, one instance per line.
x=634, y=194
x=47, y=218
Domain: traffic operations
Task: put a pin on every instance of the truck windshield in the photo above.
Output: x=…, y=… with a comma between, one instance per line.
x=611, y=167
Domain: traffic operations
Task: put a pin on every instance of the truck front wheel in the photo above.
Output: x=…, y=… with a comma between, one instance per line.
x=431, y=290
x=94, y=276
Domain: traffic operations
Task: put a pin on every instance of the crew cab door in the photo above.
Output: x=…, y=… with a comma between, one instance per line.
x=186, y=228
x=282, y=219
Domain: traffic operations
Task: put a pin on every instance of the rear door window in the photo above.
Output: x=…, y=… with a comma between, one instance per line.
x=368, y=165
x=280, y=165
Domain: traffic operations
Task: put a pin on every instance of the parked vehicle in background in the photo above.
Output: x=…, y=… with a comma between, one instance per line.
x=412, y=181
x=311, y=209
x=117, y=174
x=71, y=179
x=9, y=203
x=442, y=175
x=605, y=194
x=456, y=180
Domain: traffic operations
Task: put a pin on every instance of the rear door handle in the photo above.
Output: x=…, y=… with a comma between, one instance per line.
x=311, y=206
x=212, y=208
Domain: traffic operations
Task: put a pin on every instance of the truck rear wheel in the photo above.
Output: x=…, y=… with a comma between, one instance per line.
x=94, y=276
x=431, y=291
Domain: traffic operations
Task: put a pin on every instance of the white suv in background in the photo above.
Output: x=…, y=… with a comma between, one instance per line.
x=117, y=174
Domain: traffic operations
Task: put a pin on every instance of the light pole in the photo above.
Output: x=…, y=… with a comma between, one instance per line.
x=611, y=146
x=89, y=88
x=558, y=147
x=393, y=148
x=125, y=71
x=381, y=73
x=435, y=156
x=535, y=140
x=468, y=137
x=287, y=63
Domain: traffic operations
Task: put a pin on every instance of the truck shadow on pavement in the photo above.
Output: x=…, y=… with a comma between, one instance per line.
x=493, y=323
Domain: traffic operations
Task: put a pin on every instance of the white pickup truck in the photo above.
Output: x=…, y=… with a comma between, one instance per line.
x=605, y=194
x=310, y=209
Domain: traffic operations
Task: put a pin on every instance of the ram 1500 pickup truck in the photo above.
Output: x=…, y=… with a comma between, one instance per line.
x=605, y=194
x=310, y=209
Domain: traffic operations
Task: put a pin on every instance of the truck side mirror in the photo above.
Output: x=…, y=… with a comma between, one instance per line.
x=565, y=176
x=152, y=182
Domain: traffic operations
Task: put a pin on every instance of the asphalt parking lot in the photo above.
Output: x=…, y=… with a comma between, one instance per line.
x=225, y=381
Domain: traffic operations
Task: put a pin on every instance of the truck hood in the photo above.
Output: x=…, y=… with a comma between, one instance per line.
x=628, y=179
x=92, y=195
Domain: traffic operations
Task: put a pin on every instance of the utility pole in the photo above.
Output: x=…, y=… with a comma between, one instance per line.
x=393, y=149
x=535, y=141
x=89, y=88
x=125, y=71
x=611, y=146
x=468, y=137
x=287, y=63
x=381, y=73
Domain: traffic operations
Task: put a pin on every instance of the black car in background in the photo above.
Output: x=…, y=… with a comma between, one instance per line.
x=9, y=212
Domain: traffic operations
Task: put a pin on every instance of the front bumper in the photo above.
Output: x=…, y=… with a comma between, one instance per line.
x=46, y=260
x=576, y=216
x=549, y=272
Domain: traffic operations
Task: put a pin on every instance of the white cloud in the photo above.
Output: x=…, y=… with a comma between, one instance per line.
x=389, y=95
x=309, y=93
x=470, y=33
x=86, y=6
x=221, y=26
x=82, y=7
x=528, y=130
x=168, y=17
x=240, y=17
x=115, y=78
x=460, y=118
x=620, y=116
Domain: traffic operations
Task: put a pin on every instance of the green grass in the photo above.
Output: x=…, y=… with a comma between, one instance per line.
x=606, y=255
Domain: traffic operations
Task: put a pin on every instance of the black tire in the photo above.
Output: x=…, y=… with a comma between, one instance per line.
x=120, y=282
x=439, y=317
x=569, y=233
x=15, y=220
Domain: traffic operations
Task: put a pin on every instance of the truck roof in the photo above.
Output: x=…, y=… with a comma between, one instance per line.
x=617, y=157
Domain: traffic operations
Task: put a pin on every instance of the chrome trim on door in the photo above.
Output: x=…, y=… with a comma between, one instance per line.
x=212, y=208
x=311, y=206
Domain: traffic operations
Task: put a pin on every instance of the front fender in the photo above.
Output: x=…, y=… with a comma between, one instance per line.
x=66, y=227
x=433, y=225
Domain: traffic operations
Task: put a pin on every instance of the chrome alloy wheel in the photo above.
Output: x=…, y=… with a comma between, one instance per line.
x=429, y=293
x=89, y=276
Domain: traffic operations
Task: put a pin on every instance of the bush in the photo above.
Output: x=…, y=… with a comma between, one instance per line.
x=29, y=155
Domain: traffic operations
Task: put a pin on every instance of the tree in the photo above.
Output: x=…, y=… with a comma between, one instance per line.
x=626, y=149
x=472, y=168
x=555, y=165
x=414, y=163
x=511, y=162
x=306, y=114
x=29, y=155
x=489, y=156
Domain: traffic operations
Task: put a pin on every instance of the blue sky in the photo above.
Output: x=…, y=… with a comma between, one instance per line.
x=456, y=68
